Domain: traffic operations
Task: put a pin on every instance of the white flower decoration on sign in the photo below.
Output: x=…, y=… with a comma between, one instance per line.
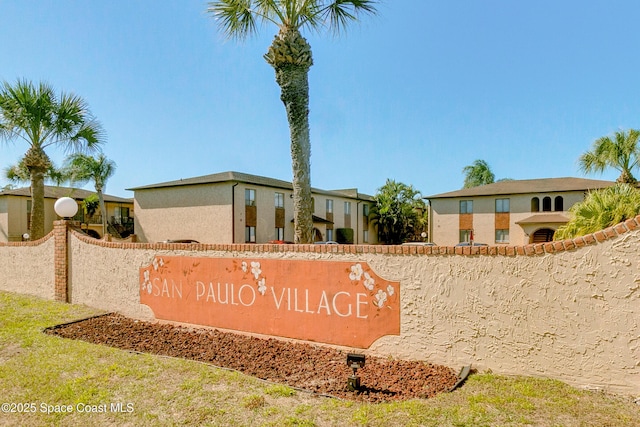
x=381, y=297
x=378, y=291
x=255, y=269
x=390, y=290
x=262, y=287
x=146, y=284
x=368, y=281
x=356, y=272
x=157, y=263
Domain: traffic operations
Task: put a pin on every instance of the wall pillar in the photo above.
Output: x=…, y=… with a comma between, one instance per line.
x=61, y=260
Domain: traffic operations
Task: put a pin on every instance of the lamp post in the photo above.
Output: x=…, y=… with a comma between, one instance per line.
x=66, y=207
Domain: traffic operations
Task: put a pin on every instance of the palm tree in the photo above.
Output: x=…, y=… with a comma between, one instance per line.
x=19, y=174
x=82, y=168
x=290, y=56
x=37, y=116
x=621, y=153
x=398, y=213
x=478, y=173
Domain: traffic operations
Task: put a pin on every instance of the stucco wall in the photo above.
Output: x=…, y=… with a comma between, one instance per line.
x=567, y=310
x=106, y=276
x=28, y=267
x=571, y=315
x=200, y=212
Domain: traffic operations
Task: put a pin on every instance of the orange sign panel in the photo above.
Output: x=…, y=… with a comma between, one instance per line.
x=342, y=303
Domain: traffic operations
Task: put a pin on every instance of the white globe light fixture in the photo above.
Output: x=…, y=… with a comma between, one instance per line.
x=66, y=207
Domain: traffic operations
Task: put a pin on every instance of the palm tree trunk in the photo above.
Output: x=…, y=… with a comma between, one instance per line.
x=294, y=84
x=37, y=204
x=37, y=162
x=103, y=211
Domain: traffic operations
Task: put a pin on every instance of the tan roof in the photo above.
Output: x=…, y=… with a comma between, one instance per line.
x=231, y=176
x=544, y=185
x=52, y=192
x=544, y=218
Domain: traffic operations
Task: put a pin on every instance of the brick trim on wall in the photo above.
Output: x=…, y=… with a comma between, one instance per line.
x=503, y=250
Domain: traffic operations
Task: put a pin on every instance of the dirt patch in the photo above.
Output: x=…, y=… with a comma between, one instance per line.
x=9, y=351
x=317, y=369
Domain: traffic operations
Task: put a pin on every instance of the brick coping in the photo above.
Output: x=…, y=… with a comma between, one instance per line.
x=526, y=250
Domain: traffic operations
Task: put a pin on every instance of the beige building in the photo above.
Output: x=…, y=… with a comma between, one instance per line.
x=15, y=213
x=233, y=207
x=512, y=212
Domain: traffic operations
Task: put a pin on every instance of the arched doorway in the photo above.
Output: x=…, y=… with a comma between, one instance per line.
x=542, y=235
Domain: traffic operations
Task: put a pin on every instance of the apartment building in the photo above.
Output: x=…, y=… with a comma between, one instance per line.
x=15, y=213
x=235, y=207
x=511, y=212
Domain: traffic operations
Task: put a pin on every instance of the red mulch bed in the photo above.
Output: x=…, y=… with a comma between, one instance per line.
x=314, y=368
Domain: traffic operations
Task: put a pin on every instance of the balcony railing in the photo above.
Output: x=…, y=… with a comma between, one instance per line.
x=118, y=226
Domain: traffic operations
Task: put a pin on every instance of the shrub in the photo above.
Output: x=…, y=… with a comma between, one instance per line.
x=601, y=209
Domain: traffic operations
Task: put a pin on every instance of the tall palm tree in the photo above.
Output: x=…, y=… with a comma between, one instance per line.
x=82, y=168
x=37, y=116
x=620, y=152
x=478, y=173
x=290, y=56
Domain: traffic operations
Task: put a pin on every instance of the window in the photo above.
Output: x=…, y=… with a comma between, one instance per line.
x=329, y=206
x=347, y=208
x=330, y=235
x=559, y=203
x=279, y=233
x=502, y=236
x=365, y=219
x=249, y=197
x=502, y=205
x=121, y=214
x=535, y=205
x=546, y=204
x=365, y=236
x=279, y=200
x=465, y=235
x=466, y=206
x=250, y=234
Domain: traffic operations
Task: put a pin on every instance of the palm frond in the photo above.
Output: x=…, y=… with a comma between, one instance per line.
x=237, y=19
x=620, y=152
x=82, y=168
x=339, y=13
x=601, y=209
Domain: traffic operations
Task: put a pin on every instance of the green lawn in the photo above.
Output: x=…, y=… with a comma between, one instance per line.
x=87, y=384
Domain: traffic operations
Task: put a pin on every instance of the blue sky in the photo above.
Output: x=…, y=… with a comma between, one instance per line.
x=414, y=93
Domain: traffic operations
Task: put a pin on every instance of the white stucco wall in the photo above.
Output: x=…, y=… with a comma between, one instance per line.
x=107, y=278
x=28, y=268
x=571, y=315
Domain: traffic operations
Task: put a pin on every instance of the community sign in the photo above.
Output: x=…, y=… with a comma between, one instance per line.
x=341, y=303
